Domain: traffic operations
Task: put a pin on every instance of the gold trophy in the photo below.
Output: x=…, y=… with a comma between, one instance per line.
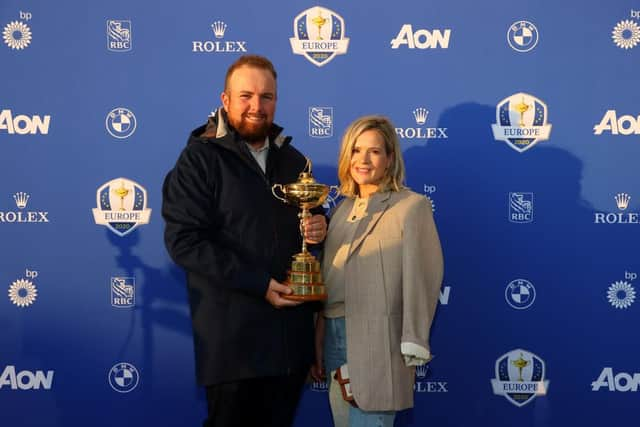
x=520, y=363
x=122, y=193
x=305, y=276
x=319, y=21
x=521, y=108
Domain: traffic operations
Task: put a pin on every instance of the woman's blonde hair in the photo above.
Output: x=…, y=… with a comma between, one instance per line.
x=394, y=175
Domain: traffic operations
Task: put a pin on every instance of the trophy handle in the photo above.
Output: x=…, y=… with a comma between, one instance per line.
x=273, y=191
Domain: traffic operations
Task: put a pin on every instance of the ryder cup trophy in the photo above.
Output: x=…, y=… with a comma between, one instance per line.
x=305, y=277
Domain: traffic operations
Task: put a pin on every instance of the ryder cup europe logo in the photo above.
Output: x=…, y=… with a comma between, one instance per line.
x=521, y=121
x=319, y=35
x=520, y=377
x=122, y=206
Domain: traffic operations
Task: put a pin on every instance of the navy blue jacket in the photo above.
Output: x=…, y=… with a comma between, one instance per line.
x=231, y=235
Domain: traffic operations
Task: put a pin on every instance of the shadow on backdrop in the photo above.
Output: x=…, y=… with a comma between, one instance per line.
x=484, y=251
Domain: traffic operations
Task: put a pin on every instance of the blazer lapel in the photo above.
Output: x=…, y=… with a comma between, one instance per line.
x=377, y=206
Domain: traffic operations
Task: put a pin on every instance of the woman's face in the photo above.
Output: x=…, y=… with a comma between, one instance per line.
x=369, y=161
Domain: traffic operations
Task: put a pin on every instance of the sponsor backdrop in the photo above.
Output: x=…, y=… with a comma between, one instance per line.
x=519, y=120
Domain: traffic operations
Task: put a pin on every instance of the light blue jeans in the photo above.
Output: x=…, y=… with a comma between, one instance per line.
x=335, y=355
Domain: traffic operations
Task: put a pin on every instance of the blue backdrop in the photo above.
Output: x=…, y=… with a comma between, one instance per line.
x=519, y=120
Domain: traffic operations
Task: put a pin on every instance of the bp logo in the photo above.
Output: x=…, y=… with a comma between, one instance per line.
x=319, y=35
x=123, y=377
x=17, y=35
x=521, y=121
x=122, y=206
x=520, y=377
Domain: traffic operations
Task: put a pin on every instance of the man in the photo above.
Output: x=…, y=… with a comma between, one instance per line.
x=235, y=240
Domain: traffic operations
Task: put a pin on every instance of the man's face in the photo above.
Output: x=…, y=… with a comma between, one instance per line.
x=250, y=102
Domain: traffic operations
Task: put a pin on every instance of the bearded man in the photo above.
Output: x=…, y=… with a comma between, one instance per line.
x=235, y=241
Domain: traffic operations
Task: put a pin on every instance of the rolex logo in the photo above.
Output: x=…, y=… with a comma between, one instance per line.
x=21, y=199
x=421, y=371
x=218, y=45
x=421, y=115
x=418, y=131
x=622, y=200
x=219, y=28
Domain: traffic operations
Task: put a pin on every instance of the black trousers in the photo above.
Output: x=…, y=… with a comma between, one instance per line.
x=255, y=402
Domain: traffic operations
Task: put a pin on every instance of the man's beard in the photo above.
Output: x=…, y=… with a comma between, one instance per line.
x=251, y=132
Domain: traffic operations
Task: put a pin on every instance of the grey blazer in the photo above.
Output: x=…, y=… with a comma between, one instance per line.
x=393, y=273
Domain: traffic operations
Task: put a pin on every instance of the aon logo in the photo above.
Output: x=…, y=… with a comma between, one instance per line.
x=619, y=382
x=623, y=125
x=22, y=124
x=421, y=39
x=25, y=380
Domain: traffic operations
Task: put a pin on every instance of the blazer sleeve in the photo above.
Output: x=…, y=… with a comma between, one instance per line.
x=192, y=239
x=422, y=271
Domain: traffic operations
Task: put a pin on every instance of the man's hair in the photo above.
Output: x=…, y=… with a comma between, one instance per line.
x=255, y=61
x=393, y=179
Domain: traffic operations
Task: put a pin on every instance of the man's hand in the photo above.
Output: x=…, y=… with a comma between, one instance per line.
x=275, y=292
x=315, y=229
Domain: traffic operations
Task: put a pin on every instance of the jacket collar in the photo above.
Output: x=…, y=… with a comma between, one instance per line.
x=217, y=127
x=218, y=131
x=378, y=204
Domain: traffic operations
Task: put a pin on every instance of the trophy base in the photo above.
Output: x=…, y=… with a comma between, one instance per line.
x=306, y=292
x=305, y=279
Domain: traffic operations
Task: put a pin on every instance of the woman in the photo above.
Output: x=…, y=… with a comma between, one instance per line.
x=383, y=267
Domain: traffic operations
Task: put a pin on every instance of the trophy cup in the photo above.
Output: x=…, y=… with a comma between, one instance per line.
x=305, y=276
x=520, y=363
x=521, y=108
x=319, y=21
x=122, y=193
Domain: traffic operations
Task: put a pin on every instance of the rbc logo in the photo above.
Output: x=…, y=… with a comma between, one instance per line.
x=521, y=207
x=123, y=292
x=320, y=122
x=118, y=35
x=319, y=386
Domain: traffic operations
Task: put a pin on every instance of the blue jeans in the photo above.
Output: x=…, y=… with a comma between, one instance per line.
x=335, y=355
